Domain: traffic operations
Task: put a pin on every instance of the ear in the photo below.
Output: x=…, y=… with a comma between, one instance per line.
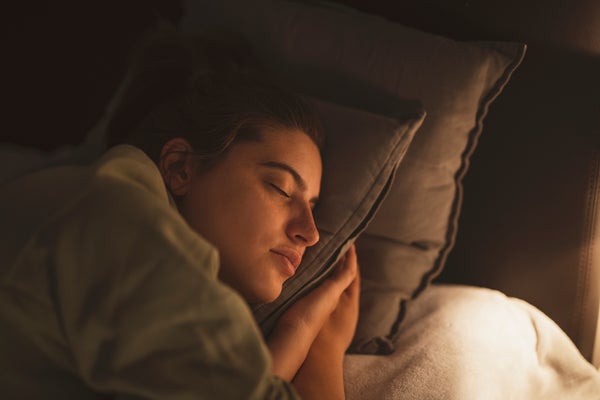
x=176, y=165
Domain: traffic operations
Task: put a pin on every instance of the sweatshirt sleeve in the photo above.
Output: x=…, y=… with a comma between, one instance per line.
x=140, y=306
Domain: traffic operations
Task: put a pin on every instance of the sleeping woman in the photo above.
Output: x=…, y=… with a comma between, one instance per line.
x=132, y=277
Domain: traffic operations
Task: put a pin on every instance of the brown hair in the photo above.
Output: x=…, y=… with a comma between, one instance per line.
x=208, y=90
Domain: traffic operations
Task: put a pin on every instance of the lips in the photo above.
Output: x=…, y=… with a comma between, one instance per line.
x=291, y=255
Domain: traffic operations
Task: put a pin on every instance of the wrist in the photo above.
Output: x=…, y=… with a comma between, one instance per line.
x=289, y=346
x=328, y=346
x=331, y=341
x=321, y=375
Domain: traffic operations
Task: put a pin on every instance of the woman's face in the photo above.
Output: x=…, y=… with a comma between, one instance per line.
x=255, y=206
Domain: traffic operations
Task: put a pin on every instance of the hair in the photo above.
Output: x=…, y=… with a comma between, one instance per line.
x=209, y=90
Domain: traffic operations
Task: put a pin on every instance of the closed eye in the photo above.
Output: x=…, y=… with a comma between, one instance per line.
x=280, y=191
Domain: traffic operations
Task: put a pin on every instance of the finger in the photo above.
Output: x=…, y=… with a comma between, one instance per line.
x=353, y=290
x=356, y=264
x=350, y=266
x=352, y=258
x=345, y=272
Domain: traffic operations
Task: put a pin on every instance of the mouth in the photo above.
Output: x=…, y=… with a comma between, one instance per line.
x=289, y=258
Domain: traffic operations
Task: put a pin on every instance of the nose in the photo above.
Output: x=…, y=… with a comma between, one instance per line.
x=303, y=229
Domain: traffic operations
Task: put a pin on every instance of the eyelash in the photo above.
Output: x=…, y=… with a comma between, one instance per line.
x=280, y=191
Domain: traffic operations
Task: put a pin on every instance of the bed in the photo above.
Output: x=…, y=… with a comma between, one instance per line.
x=476, y=283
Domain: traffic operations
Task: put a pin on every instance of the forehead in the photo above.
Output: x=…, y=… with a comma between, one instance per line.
x=291, y=147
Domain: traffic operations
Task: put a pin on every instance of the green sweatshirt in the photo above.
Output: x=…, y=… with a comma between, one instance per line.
x=105, y=291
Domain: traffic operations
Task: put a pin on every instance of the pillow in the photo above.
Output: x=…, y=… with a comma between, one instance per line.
x=367, y=62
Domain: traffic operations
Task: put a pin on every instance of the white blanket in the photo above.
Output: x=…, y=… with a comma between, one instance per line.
x=463, y=343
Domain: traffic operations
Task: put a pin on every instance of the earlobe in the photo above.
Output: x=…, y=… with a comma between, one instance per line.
x=175, y=165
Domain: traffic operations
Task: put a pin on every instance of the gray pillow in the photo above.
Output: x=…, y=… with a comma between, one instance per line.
x=367, y=62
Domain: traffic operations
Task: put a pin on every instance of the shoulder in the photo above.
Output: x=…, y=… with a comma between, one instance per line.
x=128, y=166
x=122, y=211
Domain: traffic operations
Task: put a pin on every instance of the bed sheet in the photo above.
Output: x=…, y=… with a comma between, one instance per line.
x=462, y=342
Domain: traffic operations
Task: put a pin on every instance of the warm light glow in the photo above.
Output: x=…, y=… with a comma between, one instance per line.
x=584, y=26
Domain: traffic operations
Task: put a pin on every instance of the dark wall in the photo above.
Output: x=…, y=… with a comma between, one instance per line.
x=567, y=24
x=61, y=62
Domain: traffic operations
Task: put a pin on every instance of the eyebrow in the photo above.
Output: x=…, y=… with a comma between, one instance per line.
x=297, y=178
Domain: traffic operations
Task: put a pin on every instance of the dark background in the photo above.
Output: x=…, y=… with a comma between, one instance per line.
x=62, y=61
x=522, y=225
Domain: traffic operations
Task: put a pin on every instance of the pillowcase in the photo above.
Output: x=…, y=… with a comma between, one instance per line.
x=367, y=62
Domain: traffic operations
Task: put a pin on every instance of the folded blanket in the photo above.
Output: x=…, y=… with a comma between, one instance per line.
x=465, y=343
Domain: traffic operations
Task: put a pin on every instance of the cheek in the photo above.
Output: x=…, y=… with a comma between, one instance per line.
x=204, y=208
x=227, y=212
x=253, y=211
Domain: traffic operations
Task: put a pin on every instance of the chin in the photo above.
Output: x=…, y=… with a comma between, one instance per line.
x=267, y=295
x=272, y=298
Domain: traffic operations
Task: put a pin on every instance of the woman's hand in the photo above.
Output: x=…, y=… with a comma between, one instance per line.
x=297, y=329
x=321, y=375
x=339, y=328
